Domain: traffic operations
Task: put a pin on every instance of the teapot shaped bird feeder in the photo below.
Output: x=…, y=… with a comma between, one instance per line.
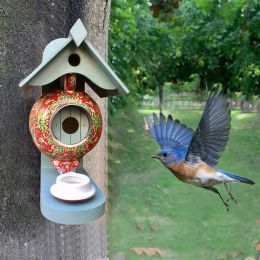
x=66, y=123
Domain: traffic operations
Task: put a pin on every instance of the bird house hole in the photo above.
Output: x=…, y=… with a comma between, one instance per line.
x=74, y=60
x=70, y=125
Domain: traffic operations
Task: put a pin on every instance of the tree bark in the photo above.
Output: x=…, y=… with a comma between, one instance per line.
x=26, y=28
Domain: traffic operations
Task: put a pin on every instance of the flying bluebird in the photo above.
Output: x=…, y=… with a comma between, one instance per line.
x=192, y=155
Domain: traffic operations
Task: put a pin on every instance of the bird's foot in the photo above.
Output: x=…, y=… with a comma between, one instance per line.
x=226, y=205
x=217, y=192
x=232, y=198
x=230, y=194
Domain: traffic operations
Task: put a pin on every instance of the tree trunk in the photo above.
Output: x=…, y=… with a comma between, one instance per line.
x=26, y=28
x=161, y=97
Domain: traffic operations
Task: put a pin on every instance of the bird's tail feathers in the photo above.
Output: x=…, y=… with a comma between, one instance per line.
x=238, y=178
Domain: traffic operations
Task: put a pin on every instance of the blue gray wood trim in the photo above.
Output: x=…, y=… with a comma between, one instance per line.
x=92, y=66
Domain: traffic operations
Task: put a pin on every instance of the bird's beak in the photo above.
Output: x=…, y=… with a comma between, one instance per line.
x=155, y=156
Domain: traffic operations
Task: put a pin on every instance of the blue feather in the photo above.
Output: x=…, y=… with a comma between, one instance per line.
x=238, y=178
x=163, y=126
x=169, y=126
x=168, y=133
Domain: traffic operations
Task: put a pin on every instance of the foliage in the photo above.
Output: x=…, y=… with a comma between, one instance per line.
x=139, y=48
x=221, y=42
x=217, y=40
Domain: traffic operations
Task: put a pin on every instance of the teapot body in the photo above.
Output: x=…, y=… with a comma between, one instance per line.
x=65, y=125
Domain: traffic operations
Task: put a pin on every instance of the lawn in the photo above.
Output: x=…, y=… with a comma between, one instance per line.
x=150, y=208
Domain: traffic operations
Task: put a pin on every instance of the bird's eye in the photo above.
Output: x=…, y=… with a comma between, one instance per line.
x=164, y=154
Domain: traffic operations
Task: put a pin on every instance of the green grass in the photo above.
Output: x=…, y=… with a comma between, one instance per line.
x=149, y=207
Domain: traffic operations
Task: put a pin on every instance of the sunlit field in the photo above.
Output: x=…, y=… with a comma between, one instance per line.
x=150, y=208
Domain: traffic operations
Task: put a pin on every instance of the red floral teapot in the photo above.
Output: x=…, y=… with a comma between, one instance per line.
x=65, y=125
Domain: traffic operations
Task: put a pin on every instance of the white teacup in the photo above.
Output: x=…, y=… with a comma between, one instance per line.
x=72, y=186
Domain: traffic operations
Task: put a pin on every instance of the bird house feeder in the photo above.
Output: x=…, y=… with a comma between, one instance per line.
x=66, y=123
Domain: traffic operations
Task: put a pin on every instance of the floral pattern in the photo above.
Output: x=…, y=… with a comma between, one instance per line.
x=65, y=166
x=64, y=157
x=70, y=82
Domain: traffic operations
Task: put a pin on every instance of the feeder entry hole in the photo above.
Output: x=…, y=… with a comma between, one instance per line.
x=74, y=60
x=70, y=125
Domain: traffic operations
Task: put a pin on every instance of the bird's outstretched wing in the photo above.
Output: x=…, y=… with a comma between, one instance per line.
x=169, y=134
x=211, y=136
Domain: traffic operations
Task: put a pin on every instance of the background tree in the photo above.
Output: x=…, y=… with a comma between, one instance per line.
x=220, y=42
x=140, y=48
x=26, y=28
x=215, y=41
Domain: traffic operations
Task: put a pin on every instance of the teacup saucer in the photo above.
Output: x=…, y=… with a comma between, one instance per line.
x=72, y=187
x=71, y=197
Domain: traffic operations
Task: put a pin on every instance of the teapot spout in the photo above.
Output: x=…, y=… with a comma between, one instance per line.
x=64, y=166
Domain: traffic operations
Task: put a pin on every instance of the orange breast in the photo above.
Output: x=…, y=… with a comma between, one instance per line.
x=187, y=173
